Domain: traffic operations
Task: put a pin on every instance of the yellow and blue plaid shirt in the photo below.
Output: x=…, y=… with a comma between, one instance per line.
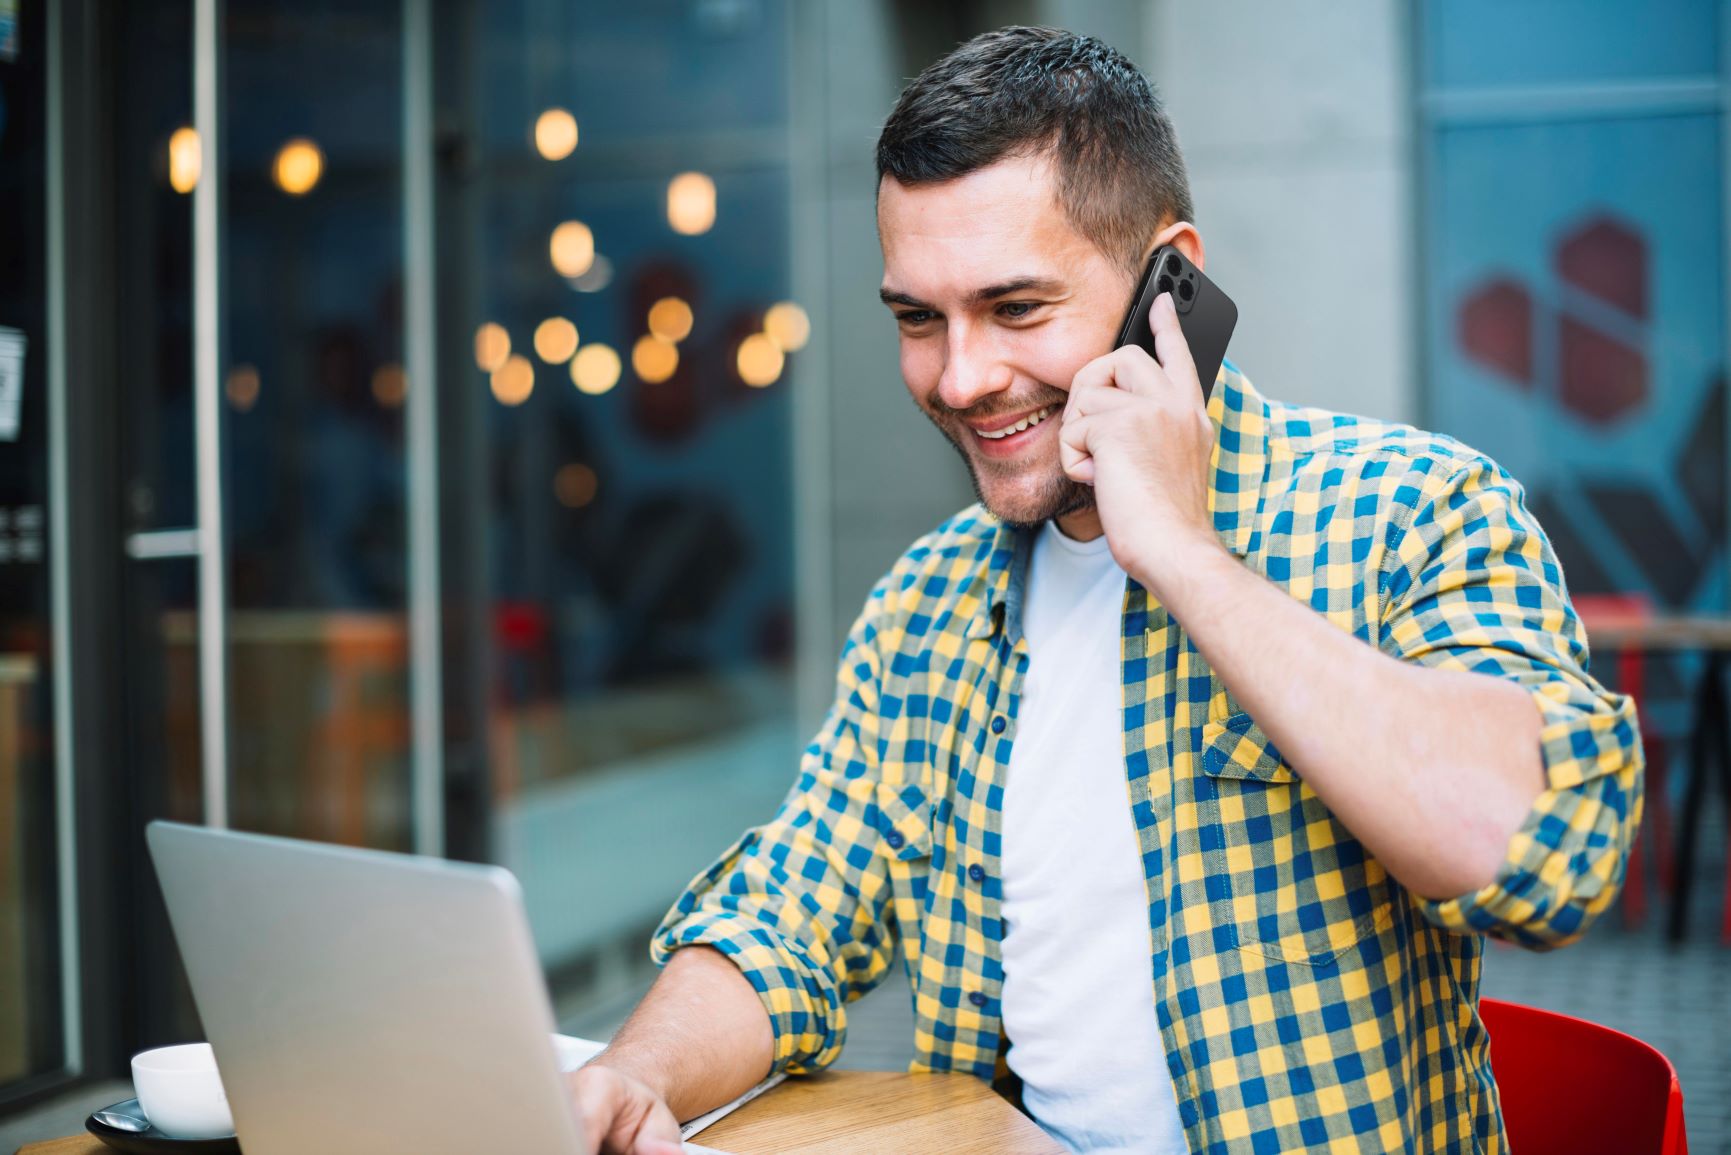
x=1306, y=999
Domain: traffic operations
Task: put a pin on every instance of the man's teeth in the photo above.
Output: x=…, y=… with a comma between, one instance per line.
x=1031, y=420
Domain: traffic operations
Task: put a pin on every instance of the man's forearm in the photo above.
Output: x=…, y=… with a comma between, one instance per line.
x=1432, y=770
x=699, y=1038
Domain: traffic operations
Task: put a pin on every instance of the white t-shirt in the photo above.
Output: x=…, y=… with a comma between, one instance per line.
x=1078, y=993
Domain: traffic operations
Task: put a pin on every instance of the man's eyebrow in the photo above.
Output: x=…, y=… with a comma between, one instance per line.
x=978, y=296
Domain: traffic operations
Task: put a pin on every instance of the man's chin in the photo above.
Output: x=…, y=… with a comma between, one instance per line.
x=1023, y=507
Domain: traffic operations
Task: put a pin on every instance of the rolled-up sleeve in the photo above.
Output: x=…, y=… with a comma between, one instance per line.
x=1472, y=584
x=799, y=904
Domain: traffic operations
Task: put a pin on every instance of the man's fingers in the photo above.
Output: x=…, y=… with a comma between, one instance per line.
x=597, y=1093
x=1073, y=454
x=1094, y=395
x=659, y=1134
x=620, y=1116
x=1169, y=341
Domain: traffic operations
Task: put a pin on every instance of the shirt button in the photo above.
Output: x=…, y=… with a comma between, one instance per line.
x=894, y=838
x=977, y=872
x=998, y=724
x=978, y=999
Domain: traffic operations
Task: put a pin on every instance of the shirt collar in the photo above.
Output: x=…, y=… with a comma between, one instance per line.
x=1236, y=472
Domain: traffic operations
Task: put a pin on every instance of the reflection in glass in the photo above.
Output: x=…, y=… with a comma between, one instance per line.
x=639, y=547
x=317, y=634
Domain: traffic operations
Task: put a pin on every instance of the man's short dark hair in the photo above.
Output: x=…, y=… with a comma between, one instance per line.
x=1020, y=91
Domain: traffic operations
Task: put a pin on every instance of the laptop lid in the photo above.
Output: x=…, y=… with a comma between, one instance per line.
x=365, y=1002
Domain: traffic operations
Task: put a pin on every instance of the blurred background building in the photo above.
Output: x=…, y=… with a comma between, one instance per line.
x=470, y=427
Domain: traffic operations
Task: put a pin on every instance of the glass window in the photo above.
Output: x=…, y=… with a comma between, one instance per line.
x=627, y=283
x=314, y=390
x=30, y=998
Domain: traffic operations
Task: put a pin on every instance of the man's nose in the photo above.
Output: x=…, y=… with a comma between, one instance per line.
x=972, y=369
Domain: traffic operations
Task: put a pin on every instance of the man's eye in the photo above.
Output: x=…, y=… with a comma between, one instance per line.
x=915, y=316
x=1017, y=310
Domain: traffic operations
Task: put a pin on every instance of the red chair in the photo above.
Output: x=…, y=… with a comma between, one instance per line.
x=1569, y=1086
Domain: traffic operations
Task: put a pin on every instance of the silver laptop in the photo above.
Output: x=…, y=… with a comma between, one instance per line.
x=365, y=1002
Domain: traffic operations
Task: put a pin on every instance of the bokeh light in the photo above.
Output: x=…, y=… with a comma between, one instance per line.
x=670, y=319
x=242, y=387
x=572, y=249
x=514, y=380
x=691, y=203
x=185, y=159
x=575, y=485
x=595, y=368
x=555, y=340
x=390, y=385
x=492, y=346
x=654, y=360
x=759, y=361
x=599, y=276
x=787, y=325
x=299, y=165
x=555, y=134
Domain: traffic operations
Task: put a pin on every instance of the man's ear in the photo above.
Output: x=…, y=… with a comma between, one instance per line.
x=1183, y=234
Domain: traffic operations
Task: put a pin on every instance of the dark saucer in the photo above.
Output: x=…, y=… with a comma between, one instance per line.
x=154, y=1142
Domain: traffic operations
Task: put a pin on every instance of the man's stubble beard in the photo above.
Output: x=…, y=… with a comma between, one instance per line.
x=1060, y=495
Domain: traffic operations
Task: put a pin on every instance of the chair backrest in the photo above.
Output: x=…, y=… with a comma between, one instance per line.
x=1568, y=1085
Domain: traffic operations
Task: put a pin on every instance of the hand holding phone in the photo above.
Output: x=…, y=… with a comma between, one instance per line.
x=1205, y=314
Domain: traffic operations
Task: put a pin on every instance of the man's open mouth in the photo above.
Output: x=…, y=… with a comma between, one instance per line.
x=1027, y=422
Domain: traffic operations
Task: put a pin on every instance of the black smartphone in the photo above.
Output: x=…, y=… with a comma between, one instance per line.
x=1205, y=314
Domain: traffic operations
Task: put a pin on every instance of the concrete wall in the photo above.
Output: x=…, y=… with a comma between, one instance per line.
x=1295, y=123
x=1295, y=120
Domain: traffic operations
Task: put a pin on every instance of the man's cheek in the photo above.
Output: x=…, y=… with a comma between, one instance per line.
x=920, y=373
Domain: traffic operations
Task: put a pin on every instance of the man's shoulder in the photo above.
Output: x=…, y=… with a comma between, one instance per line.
x=1347, y=449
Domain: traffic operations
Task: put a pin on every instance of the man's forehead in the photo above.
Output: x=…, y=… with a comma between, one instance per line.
x=992, y=225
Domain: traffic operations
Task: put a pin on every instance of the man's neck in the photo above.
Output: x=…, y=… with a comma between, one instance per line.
x=1082, y=525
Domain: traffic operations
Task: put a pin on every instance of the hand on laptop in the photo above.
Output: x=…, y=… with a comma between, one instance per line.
x=620, y=1115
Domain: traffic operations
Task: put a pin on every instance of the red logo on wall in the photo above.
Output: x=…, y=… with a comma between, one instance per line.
x=1600, y=369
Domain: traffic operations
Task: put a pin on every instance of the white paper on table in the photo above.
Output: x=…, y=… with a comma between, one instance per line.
x=574, y=1052
x=11, y=381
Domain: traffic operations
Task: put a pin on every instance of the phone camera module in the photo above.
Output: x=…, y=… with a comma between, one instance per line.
x=1185, y=291
x=1164, y=284
x=1172, y=265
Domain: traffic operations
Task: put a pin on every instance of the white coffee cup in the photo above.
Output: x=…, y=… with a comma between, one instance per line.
x=181, y=1092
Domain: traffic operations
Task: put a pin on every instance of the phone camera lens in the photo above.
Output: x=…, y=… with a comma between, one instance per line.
x=1172, y=265
x=1164, y=284
x=1185, y=291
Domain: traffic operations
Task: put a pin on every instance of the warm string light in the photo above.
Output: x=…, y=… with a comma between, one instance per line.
x=691, y=203
x=242, y=387
x=654, y=360
x=555, y=340
x=492, y=346
x=787, y=325
x=185, y=159
x=575, y=485
x=572, y=249
x=298, y=167
x=595, y=369
x=670, y=319
x=759, y=361
x=513, y=381
x=555, y=134
x=390, y=386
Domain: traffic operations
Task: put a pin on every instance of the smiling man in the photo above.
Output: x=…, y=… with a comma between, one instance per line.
x=1191, y=767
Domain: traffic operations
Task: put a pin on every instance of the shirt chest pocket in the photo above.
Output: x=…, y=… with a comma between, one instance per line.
x=1297, y=886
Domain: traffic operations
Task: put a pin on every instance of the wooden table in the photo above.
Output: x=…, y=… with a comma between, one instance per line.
x=838, y=1112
